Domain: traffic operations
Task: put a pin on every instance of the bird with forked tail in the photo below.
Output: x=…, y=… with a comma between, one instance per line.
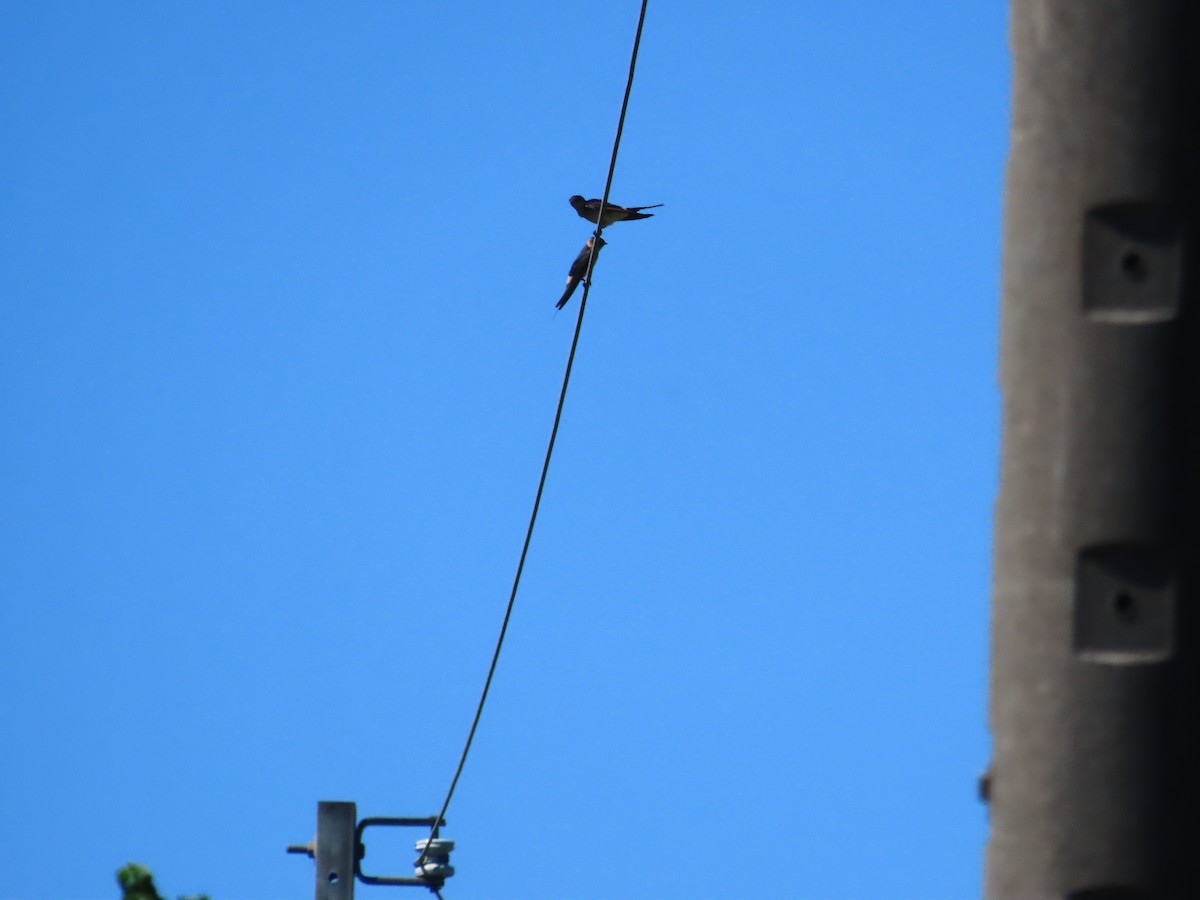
x=590, y=210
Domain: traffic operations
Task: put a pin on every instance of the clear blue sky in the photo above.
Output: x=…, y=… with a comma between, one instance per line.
x=279, y=364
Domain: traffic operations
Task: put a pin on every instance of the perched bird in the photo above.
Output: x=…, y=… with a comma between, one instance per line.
x=590, y=210
x=579, y=269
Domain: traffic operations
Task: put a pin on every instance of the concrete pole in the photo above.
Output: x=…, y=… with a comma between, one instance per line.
x=1094, y=686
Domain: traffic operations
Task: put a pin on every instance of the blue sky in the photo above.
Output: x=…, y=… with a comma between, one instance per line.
x=279, y=367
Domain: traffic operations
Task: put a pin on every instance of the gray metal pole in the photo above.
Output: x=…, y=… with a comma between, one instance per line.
x=335, y=850
x=1094, y=688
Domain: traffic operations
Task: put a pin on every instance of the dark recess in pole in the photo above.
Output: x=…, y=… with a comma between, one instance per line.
x=1094, y=687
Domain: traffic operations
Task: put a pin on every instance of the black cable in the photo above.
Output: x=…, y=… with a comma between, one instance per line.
x=562, y=396
x=612, y=164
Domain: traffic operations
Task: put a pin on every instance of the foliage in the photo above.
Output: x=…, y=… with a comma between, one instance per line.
x=138, y=884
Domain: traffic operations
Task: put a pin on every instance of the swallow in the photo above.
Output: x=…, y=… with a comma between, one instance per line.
x=579, y=269
x=590, y=210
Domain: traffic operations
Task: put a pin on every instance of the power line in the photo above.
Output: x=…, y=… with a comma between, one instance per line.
x=562, y=396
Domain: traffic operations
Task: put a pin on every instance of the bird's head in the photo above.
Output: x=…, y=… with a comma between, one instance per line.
x=576, y=201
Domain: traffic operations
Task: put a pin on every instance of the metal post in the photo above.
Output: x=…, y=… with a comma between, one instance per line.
x=336, y=850
x=1094, y=689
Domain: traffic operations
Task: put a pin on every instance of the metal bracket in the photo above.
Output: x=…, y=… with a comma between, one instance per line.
x=392, y=822
x=339, y=850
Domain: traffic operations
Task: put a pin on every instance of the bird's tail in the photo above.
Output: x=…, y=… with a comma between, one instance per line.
x=572, y=283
